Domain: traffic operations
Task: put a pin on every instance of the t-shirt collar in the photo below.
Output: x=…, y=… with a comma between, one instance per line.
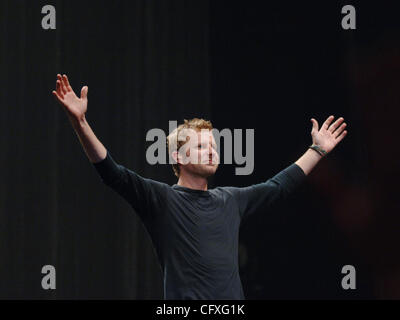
x=194, y=191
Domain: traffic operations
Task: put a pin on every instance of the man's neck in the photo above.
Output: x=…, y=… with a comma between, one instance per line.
x=193, y=182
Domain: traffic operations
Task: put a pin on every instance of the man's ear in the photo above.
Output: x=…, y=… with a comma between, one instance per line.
x=175, y=156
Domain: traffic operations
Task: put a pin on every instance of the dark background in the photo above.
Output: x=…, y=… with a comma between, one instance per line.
x=268, y=67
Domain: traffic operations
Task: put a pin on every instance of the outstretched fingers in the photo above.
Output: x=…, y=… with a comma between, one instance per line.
x=327, y=122
x=335, y=125
x=66, y=81
x=57, y=96
x=62, y=84
x=339, y=131
x=58, y=89
x=341, y=136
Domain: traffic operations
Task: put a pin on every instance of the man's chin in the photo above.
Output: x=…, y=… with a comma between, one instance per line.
x=208, y=170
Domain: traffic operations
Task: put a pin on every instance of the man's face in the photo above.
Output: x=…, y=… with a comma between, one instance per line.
x=201, y=156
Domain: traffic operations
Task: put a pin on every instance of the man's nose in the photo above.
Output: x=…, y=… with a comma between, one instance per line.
x=211, y=151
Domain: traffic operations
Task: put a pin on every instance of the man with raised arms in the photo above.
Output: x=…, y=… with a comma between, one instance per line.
x=194, y=230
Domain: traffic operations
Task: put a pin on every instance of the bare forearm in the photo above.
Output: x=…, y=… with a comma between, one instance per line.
x=308, y=160
x=94, y=149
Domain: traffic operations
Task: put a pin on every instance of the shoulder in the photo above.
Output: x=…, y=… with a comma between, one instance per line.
x=153, y=184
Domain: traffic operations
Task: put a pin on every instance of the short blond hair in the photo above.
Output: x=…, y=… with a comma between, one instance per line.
x=174, y=144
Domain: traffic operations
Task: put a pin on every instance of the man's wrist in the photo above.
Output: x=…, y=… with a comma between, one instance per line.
x=308, y=160
x=315, y=152
x=78, y=122
x=318, y=150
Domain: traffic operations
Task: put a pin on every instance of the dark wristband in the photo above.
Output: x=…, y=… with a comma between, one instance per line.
x=320, y=151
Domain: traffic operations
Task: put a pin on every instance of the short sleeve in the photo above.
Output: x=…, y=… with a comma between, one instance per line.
x=144, y=195
x=266, y=194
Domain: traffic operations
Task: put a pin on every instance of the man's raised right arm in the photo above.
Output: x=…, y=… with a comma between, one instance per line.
x=76, y=108
x=140, y=192
x=94, y=149
x=135, y=189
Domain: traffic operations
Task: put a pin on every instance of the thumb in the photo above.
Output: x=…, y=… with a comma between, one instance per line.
x=315, y=125
x=84, y=92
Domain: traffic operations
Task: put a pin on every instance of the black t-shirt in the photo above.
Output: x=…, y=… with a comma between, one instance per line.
x=196, y=233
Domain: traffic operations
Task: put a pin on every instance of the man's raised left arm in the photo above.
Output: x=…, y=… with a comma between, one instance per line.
x=286, y=181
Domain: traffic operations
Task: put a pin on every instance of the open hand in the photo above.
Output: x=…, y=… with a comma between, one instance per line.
x=75, y=107
x=329, y=135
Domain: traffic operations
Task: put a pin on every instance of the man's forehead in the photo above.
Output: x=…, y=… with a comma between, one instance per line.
x=206, y=133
